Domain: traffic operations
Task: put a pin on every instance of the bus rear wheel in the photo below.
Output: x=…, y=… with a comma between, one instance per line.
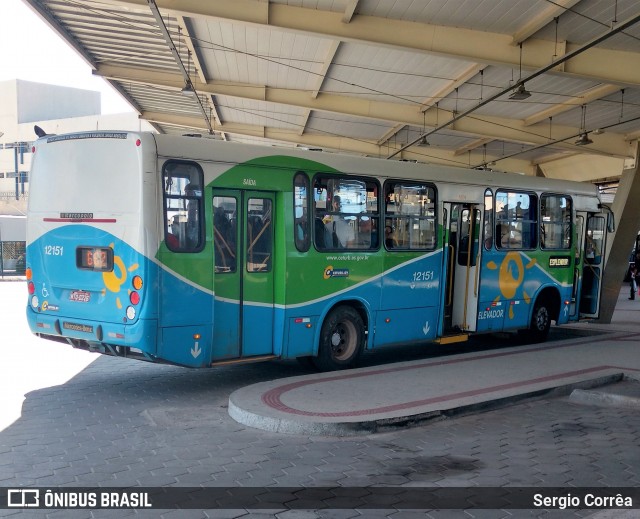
x=540, y=323
x=341, y=340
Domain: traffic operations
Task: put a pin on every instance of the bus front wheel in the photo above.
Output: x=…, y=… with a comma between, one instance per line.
x=341, y=339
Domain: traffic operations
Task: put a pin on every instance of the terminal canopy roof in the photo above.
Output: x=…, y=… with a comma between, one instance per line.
x=538, y=87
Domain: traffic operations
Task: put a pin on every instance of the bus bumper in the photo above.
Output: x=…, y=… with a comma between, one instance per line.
x=137, y=339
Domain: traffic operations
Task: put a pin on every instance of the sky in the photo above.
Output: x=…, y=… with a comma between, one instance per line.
x=32, y=51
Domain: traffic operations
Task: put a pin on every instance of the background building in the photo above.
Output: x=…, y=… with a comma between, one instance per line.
x=55, y=109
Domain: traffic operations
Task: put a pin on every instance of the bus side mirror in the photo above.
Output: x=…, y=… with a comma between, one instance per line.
x=611, y=222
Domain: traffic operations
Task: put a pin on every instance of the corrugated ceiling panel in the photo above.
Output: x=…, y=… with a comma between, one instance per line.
x=591, y=18
x=154, y=99
x=259, y=141
x=442, y=139
x=116, y=36
x=324, y=5
x=343, y=125
x=547, y=90
x=260, y=113
x=605, y=112
x=501, y=16
x=259, y=56
x=379, y=73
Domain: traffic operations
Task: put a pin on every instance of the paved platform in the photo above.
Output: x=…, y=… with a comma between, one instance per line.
x=85, y=420
x=380, y=398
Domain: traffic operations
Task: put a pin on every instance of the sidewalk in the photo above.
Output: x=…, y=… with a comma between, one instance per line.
x=378, y=398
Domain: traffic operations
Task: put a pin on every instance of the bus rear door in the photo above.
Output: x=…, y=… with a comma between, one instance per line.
x=243, y=274
x=462, y=264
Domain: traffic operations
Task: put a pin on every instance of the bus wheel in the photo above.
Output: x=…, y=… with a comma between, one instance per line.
x=540, y=323
x=341, y=339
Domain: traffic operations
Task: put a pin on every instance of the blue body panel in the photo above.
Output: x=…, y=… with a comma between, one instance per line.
x=174, y=319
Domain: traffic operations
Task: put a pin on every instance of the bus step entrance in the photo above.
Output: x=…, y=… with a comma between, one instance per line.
x=451, y=339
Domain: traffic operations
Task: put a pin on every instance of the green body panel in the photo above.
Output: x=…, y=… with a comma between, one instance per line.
x=305, y=277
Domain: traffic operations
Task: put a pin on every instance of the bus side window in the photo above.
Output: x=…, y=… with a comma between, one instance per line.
x=259, y=235
x=488, y=219
x=183, y=209
x=516, y=220
x=555, y=222
x=410, y=216
x=345, y=213
x=301, y=229
x=224, y=233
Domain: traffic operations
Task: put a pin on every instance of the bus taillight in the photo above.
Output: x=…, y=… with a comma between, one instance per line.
x=134, y=297
x=28, y=273
x=31, y=287
x=137, y=282
x=131, y=313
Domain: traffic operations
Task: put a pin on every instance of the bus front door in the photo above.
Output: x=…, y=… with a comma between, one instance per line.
x=461, y=265
x=243, y=274
x=593, y=244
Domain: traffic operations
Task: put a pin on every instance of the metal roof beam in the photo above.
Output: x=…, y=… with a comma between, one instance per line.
x=544, y=17
x=443, y=92
x=630, y=22
x=450, y=87
x=434, y=99
x=496, y=128
x=632, y=136
x=343, y=144
x=471, y=146
x=596, y=64
x=390, y=133
x=582, y=98
x=331, y=53
x=349, y=10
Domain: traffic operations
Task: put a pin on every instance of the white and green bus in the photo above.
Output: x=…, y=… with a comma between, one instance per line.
x=198, y=252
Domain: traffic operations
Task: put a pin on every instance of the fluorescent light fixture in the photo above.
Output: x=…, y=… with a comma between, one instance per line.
x=583, y=140
x=520, y=93
x=188, y=90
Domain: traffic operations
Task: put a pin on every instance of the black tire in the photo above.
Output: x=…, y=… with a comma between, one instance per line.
x=341, y=340
x=538, y=330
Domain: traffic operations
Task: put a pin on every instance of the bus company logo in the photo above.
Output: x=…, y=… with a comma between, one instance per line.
x=561, y=261
x=80, y=296
x=51, y=308
x=77, y=327
x=330, y=272
x=511, y=279
x=23, y=498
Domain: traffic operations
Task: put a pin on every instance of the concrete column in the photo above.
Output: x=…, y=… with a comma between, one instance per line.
x=626, y=208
